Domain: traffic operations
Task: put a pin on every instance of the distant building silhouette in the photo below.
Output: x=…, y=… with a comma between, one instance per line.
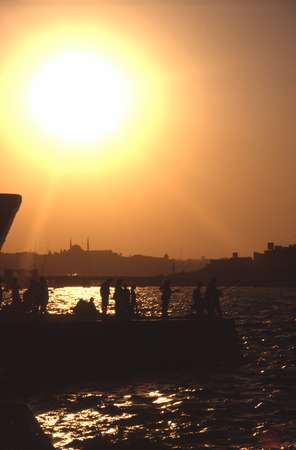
x=276, y=265
x=105, y=263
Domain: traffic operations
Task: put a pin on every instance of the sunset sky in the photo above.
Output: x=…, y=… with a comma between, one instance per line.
x=149, y=127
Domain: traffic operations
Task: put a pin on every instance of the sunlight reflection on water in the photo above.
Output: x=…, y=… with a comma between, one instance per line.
x=115, y=415
x=251, y=409
x=62, y=300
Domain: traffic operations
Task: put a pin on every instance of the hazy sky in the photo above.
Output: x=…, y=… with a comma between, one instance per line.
x=205, y=163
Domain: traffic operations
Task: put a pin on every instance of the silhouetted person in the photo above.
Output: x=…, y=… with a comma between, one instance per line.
x=31, y=297
x=197, y=300
x=166, y=293
x=133, y=301
x=105, y=292
x=212, y=298
x=79, y=308
x=15, y=293
x=92, y=310
x=85, y=309
x=118, y=297
x=126, y=298
x=43, y=295
x=34, y=295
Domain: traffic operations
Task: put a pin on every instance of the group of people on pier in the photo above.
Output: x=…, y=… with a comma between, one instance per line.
x=205, y=300
x=125, y=299
x=209, y=302
x=34, y=298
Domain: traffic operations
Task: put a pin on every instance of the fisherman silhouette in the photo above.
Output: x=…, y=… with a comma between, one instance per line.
x=126, y=308
x=166, y=293
x=212, y=298
x=85, y=309
x=35, y=294
x=15, y=293
x=43, y=295
x=197, y=300
x=118, y=297
x=29, y=297
x=92, y=307
x=79, y=308
x=133, y=301
x=105, y=292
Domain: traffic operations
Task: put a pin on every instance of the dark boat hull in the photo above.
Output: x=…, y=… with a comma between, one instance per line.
x=9, y=205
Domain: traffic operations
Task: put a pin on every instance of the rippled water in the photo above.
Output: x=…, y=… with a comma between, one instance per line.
x=251, y=408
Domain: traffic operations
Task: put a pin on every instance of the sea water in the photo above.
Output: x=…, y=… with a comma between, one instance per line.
x=252, y=407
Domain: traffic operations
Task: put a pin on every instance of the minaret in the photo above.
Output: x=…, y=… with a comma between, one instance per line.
x=70, y=243
x=87, y=245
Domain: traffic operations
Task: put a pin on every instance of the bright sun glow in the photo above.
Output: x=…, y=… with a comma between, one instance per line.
x=79, y=97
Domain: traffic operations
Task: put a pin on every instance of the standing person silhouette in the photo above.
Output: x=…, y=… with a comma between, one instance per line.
x=43, y=295
x=166, y=293
x=119, y=300
x=212, y=298
x=15, y=293
x=197, y=300
x=126, y=303
x=105, y=292
x=133, y=301
x=29, y=297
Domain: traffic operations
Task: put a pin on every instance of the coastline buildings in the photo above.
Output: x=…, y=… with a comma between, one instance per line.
x=105, y=263
x=276, y=265
x=231, y=270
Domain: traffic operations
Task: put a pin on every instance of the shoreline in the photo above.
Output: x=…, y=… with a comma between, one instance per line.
x=65, y=281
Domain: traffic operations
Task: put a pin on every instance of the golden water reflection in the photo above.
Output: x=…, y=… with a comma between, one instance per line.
x=115, y=416
x=241, y=411
x=171, y=415
x=63, y=299
x=68, y=427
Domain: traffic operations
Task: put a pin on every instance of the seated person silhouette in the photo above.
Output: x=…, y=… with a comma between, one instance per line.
x=85, y=309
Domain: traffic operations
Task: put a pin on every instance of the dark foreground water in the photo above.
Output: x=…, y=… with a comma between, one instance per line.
x=251, y=408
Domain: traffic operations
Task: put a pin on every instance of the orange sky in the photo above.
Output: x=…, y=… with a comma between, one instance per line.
x=204, y=164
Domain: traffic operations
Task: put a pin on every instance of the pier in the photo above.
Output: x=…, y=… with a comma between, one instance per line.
x=57, y=347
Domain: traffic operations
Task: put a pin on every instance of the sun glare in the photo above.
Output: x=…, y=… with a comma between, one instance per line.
x=79, y=97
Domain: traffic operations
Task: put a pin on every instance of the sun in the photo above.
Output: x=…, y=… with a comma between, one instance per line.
x=79, y=97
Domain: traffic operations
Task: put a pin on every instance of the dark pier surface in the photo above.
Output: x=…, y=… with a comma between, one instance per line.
x=62, y=347
x=19, y=430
